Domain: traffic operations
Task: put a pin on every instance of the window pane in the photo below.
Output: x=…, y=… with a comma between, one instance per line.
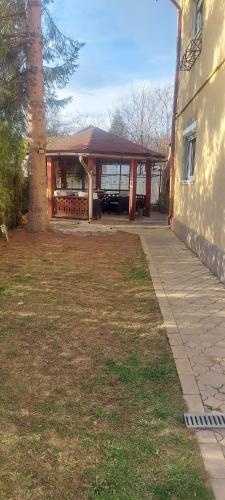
x=141, y=185
x=186, y=158
x=189, y=164
x=110, y=177
x=110, y=169
x=192, y=158
x=125, y=169
x=199, y=17
x=124, y=183
x=111, y=182
x=58, y=175
x=141, y=179
x=74, y=175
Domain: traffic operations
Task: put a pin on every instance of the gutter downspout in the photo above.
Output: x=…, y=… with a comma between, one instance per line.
x=90, y=187
x=175, y=98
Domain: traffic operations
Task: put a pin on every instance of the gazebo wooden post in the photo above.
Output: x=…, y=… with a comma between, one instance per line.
x=148, y=188
x=63, y=173
x=51, y=181
x=98, y=164
x=133, y=189
x=90, y=166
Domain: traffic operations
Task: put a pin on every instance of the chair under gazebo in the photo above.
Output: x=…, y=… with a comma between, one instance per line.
x=78, y=164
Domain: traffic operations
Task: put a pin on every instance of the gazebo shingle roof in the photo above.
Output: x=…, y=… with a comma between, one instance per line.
x=93, y=140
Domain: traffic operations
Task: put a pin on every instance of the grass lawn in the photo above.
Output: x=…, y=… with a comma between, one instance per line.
x=90, y=402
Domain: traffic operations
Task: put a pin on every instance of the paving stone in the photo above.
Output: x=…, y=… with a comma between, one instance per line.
x=221, y=343
x=203, y=361
x=189, y=330
x=201, y=370
x=167, y=315
x=213, y=379
x=206, y=437
x=194, y=403
x=220, y=437
x=183, y=367
x=218, y=486
x=163, y=301
x=214, y=460
x=220, y=396
x=170, y=325
x=192, y=342
x=172, y=329
x=189, y=384
x=217, y=368
x=212, y=402
x=175, y=340
x=221, y=329
x=205, y=395
x=210, y=390
x=216, y=351
x=179, y=351
x=196, y=370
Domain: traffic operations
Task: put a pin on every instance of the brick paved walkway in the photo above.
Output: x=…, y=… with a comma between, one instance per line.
x=192, y=301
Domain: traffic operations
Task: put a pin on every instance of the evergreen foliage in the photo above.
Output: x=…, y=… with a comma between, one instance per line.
x=118, y=125
x=60, y=55
x=60, y=62
x=12, y=154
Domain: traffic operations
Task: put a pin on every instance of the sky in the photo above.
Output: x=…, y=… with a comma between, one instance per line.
x=127, y=43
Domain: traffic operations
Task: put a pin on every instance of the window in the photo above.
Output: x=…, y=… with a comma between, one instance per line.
x=110, y=177
x=74, y=176
x=189, y=152
x=115, y=177
x=141, y=179
x=124, y=177
x=199, y=16
x=57, y=174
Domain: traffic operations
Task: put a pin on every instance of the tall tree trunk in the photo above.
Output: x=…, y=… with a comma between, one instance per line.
x=37, y=214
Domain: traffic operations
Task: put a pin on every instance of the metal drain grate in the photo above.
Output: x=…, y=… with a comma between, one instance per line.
x=204, y=420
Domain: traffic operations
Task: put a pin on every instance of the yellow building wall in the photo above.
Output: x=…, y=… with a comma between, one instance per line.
x=200, y=206
x=213, y=45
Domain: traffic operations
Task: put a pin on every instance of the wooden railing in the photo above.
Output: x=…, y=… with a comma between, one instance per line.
x=74, y=207
x=71, y=207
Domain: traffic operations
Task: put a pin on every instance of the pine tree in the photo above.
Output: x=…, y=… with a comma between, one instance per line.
x=22, y=76
x=60, y=55
x=118, y=126
x=12, y=153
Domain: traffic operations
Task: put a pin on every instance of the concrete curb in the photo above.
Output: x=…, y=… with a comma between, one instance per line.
x=211, y=451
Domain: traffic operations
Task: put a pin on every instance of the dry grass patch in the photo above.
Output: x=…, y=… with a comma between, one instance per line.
x=90, y=401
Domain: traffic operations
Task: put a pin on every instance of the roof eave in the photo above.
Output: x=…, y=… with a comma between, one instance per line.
x=108, y=155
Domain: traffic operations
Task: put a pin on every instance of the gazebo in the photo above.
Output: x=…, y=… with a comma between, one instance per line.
x=83, y=155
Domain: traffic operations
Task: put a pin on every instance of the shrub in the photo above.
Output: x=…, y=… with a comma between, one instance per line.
x=12, y=155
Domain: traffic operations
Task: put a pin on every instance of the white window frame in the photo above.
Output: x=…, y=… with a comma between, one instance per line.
x=198, y=25
x=189, y=157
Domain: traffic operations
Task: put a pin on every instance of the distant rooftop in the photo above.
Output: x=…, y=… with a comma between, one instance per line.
x=93, y=140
